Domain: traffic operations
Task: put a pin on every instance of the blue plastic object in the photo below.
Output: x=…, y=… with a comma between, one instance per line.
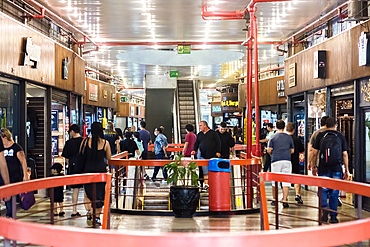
x=219, y=165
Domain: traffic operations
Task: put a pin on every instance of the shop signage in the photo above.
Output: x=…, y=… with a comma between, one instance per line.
x=363, y=49
x=216, y=109
x=124, y=99
x=174, y=74
x=281, y=94
x=65, y=67
x=231, y=103
x=54, y=120
x=113, y=96
x=292, y=75
x=319, y=69
x=31, y=53
x=280, y=88
x=93, y=92
x=183, y=49
x=105, y=94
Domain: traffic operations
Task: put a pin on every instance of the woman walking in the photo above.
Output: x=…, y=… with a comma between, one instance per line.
x=16, y=161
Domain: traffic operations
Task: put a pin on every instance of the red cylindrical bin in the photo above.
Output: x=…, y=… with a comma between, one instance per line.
x=219, y=185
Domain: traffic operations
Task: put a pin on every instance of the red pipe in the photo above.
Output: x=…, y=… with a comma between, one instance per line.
x=40, y=16
x=62, y=20
x=249, y=96
x=170, y=43
x=256, y=86
x=221, y=15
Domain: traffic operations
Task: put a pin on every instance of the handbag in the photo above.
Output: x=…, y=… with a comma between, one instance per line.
x=81, y=158
x=27, y=200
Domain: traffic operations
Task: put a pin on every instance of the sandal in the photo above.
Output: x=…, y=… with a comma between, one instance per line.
x=76, y=214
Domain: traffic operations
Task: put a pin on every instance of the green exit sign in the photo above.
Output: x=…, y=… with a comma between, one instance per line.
x=174, y=74
x=183, y=49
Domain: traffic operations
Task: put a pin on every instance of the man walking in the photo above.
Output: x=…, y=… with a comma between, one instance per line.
x=315, y=163
x=146, y=138
x=333, y=152
x=209, y=145
x=70, y=152
x=227, y=141
x=296, y=168
x=267, y=157
x=280, y=148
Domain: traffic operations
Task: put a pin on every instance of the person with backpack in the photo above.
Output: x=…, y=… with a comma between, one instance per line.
x=70, y=153
x=333, y=148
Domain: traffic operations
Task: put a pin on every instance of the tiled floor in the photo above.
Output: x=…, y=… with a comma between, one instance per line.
x=238, y=223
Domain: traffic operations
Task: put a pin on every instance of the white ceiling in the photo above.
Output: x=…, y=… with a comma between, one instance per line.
x=180, y=21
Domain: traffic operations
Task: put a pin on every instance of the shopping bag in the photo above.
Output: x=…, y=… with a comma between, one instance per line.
x=27, y=200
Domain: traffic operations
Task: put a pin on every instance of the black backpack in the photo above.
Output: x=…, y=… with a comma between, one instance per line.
x=331, y=153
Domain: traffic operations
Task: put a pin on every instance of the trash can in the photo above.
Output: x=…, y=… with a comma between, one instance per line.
x=219, y=184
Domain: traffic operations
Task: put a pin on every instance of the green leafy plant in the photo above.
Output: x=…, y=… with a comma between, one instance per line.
x=178, y=172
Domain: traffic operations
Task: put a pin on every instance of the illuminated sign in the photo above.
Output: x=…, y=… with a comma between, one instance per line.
x=363, y=49
x=183, y=49
x=216, y=108
x=230, y=103
x=31, y=53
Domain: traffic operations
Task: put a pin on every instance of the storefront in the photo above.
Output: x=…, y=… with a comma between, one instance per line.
x=129, y=114
x=320, y=85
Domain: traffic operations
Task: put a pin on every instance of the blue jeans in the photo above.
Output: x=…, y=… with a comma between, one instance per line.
x=159, y=156
x=13, y=179
x=331, y=194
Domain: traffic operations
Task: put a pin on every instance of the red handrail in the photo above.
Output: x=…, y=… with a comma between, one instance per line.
x=44, y=183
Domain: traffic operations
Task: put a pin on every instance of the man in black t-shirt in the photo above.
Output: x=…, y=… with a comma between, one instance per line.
x=227, y=141
x=70, y=152
x=3, y=168
x=296, y=168
x=327, y=169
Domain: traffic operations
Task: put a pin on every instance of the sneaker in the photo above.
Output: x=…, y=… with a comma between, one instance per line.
x=146, y=177
x=98, y=221
x=76, y=214
x=339, y=202
x=334, y=220
x=298, y=198
x=89, y=219
x=62, y=213
x=273, y=203
x=205, y=187
x=324, y=217
x=285, y=205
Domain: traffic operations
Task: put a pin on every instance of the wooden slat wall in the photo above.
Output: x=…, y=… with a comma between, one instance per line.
x=102, y=102
x=37, y=104
x=268, y=94
x=341, y=64
x=11, y=48
x=79, y=67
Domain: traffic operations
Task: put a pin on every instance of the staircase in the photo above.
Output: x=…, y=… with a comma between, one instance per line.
x=186, y=105
x=156, y=196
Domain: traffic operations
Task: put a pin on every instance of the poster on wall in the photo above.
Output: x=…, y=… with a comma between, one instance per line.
x=54, y=120
x=54, y=145
x=132, y=108
x=292, y=75
x=109, y=114
x=88, y=121
x=129, y=122
x=93, y=92
x=135, y=123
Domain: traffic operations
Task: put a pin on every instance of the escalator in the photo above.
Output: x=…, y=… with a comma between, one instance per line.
x=187, y=106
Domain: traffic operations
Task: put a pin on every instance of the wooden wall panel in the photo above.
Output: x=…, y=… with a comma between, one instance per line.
x=11, y=48
x=268, y=94
x=60, y=54
x=79, y=67
x=124, y=110
x=341, y=62
x=102, y=102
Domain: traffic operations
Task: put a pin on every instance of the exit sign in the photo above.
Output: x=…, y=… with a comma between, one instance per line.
x=174, y=74
x=183, y=49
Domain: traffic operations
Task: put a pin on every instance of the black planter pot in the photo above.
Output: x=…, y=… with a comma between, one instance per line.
x=184, y=200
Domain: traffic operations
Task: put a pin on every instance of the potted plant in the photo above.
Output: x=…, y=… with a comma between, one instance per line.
x=184, y=193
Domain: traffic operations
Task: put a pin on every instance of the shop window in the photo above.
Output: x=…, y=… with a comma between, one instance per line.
x=9, y=107
x=316, y=110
